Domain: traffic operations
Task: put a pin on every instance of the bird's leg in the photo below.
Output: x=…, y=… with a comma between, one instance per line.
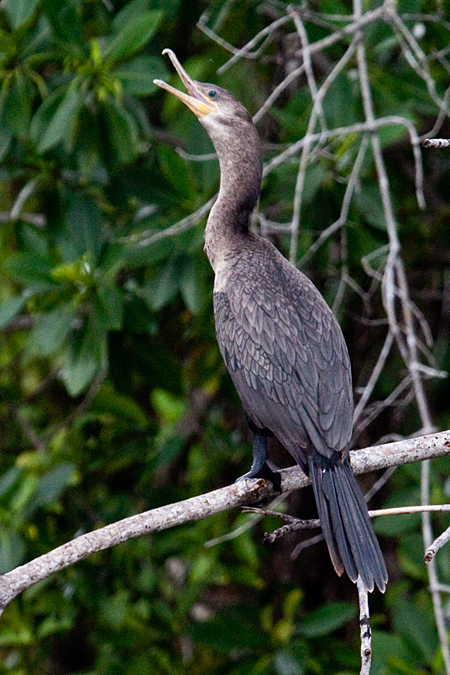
x=259, y=455
x=260, y=468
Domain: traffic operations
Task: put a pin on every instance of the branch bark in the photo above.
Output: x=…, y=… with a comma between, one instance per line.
x=241, y=493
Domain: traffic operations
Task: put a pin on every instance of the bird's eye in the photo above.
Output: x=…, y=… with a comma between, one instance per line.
x=212, y=93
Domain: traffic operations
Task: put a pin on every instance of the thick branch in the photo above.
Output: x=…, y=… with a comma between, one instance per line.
x=196, y=508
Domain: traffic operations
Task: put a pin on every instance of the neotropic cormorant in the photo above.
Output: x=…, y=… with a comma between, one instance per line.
x=281, y=343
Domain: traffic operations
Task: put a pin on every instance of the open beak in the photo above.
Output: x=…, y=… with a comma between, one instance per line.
x=195, y=99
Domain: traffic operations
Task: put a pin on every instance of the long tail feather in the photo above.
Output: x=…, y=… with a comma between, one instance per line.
x=345, y=522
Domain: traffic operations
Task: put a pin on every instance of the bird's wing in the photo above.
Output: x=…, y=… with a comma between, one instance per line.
x=285, y=353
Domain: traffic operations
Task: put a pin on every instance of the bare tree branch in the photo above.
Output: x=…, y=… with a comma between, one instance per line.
x=438, y=543
x=436, y=143
x=196, y=508
x=364, y=627
x=294, y=524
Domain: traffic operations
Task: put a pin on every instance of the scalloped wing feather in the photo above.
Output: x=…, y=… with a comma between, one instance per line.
x=285, y=352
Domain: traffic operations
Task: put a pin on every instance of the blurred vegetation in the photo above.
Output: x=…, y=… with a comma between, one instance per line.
x=113, y=395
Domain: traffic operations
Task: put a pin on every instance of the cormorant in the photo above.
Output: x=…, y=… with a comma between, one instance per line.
x=281, y=343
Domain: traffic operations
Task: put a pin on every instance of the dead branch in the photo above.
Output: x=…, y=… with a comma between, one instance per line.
x=364, y=627
x=438, y=543
x=293, y=524
x=436, y=143
x=196, y=508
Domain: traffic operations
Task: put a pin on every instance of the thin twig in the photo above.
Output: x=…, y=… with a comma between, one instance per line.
x=383, y=479
x=360, y=127
x=294, y=524
x=340, y=222
x=374, y=376
x=246, y=49
x=277, y=92
x=438, y=543
x=207, y=157
x=258, y=514
x=364, y=625
x=436, y=143
x=443, y=588
x=306, y=55
x=25, y=193
x=431, y=566
x=150, y=236
x=301, y=176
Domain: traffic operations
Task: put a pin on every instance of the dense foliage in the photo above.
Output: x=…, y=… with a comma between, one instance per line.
x=113, y=395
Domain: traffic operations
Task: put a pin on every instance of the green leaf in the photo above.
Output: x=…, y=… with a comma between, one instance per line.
x=369, y=202
x=392, y=526
x=16, y=636
x=231, y=629
x=84, y=228
x=137, y=76
x=9, y=479
x=327, y=618
x=151, y=253
x=316, y=176
x=10, y=308
x=49, y=332
x=116, y=607
x=44, y=114
x=385, y=647
x=39, y=39
x=79, y=370
x=53, y=483
x=65, y=20
x=29, y=269
x=170, y=7
x=177, y=172
x=5, y=141
x=110, y=306
x=51, y=486
x=170, y=408
x=286, y=664
x=12, y=550
x=51, y=625
x=417, y=629
x=133, y=35
x=130, y=12
x=19, y=11
x=163, y=288
x=84, y=357
x=17, y=104
x=61, y=125
x=190, y=288
x=338, y=102
x=34, y=240
x=122, y=132
x=109, y=400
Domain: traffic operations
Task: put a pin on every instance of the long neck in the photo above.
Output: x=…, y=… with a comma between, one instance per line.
x=239, y=150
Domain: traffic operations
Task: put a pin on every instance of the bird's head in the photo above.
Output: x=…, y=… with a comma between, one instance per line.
x=212, y=105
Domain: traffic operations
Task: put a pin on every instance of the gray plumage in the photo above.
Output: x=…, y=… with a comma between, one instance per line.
x=285, y=352
x=281, y=343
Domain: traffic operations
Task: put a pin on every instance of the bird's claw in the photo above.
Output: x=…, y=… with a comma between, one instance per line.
x=264, y=472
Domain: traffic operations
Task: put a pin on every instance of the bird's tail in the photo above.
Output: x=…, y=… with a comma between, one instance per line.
x=345, y=522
